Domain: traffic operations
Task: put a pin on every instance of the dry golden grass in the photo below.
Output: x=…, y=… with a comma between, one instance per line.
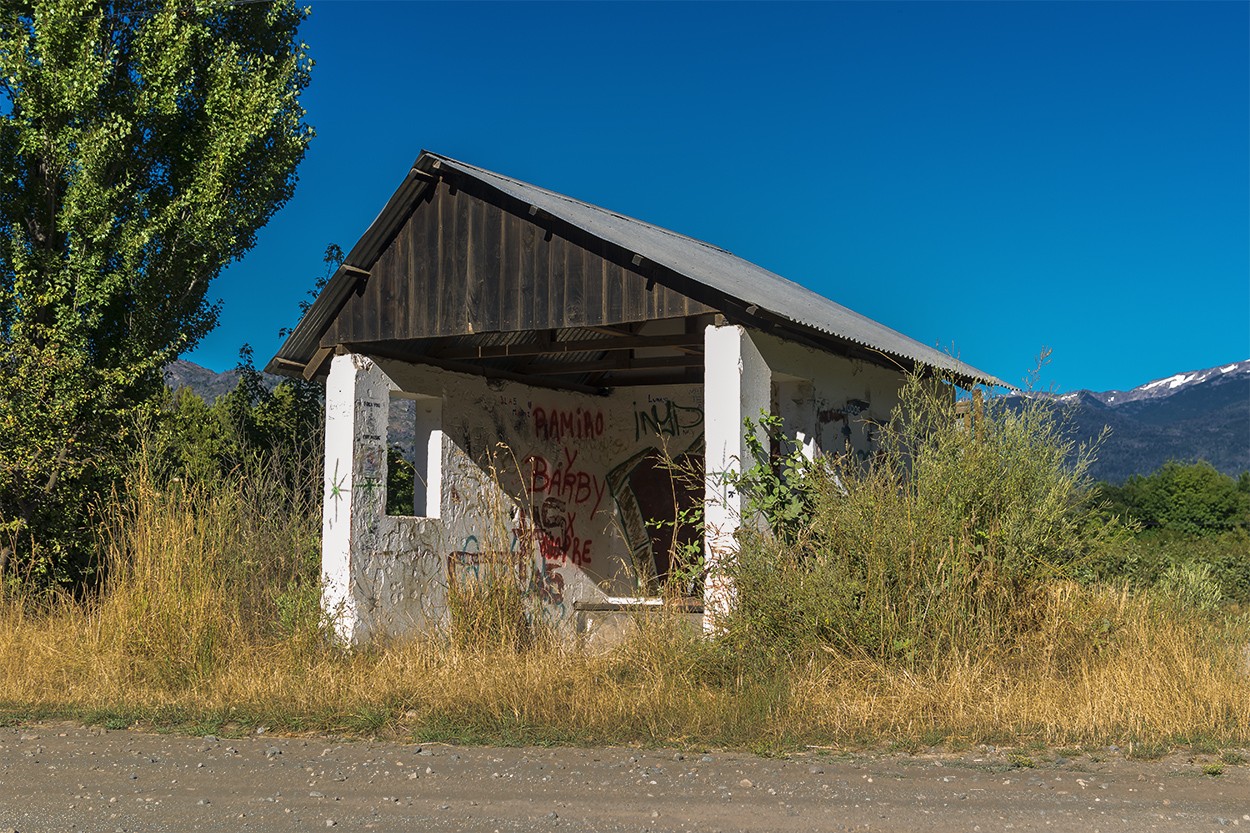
x=208, y=622
x=1154, y=678
x=1158, y=674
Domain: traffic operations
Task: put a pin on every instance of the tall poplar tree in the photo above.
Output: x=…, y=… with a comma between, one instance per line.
x=142, y=145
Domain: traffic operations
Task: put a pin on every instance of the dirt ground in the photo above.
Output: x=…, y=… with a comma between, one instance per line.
x=62, y=777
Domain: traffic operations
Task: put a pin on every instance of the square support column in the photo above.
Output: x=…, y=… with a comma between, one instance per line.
x=354, y=507
x=736, y=387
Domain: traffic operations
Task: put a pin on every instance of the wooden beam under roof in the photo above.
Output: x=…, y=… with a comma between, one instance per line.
x=472, y=369
x=543, y=347
x=685, y=376
x=615, y=364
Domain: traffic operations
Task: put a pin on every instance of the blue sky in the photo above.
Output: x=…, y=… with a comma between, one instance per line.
x=992, y=178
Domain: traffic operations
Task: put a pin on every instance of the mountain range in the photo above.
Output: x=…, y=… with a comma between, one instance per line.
x=209, y=384
x=1196, y=415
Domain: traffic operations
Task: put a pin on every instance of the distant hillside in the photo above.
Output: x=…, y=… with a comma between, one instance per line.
x=209, y=384
x=1201, y=414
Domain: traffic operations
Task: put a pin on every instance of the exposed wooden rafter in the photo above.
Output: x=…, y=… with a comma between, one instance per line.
x=684, y=376
x=382, y=350
x=616, y=363
x=544, y=347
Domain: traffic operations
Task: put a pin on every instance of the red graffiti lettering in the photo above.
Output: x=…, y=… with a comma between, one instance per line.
x=577, y=424
x=565, y=481
x=552, y=535
x=538, y=474
x=566, y=549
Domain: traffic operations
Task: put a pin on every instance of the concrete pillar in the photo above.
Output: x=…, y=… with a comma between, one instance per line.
x=736, y=387
x=796, y=406
x=354, y=508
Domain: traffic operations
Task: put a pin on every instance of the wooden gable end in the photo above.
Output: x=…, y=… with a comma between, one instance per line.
x=462, y=265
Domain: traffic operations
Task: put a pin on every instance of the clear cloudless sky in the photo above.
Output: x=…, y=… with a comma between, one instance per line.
x=991, y=178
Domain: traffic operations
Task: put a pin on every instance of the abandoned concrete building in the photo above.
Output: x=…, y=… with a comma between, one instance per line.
x=543, y=360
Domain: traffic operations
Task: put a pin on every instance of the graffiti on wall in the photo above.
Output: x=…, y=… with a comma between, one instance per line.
x=858, y=431
x=565, y=481
x=560, y=488
x=567, y=424
x=571, y=490
x=663, y=417
x=537, y=577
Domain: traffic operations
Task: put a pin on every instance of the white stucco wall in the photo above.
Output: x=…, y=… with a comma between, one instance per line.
x=829, y=402
x=556, y=482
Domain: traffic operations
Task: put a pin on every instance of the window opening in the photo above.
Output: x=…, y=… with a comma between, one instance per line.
x=414, y=455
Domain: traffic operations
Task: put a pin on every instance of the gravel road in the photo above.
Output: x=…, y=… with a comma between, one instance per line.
x=62, y=777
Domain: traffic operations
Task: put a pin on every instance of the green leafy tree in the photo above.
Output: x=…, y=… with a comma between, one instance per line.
x=1194, y=499
x=1192, y=526
x=199, y=441
x=142, y=145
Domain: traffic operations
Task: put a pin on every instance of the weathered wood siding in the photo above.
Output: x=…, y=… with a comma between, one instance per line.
x=463, y=265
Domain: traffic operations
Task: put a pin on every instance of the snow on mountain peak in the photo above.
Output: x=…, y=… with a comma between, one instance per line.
x=1172, y=384
x=1172, y=381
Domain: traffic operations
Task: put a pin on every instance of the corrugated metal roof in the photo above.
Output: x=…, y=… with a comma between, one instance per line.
x=720, y=270
x=711, y=266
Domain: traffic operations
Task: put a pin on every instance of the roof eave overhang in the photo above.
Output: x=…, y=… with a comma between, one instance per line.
x=302, y=344
x=296, y=356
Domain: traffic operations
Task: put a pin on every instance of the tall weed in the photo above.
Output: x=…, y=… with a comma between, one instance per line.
x=918, y=604
x=938, y=546
x=197, y=570
x=488, y=603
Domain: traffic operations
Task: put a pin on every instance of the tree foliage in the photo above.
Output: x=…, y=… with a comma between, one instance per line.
x=142, y=145
x=1192, y=522
x=199, y=441
x=1193, y=499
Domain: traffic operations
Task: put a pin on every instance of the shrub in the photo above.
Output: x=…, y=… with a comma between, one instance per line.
x=938, y=546
x=1149, y=555
x=1192, y=585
